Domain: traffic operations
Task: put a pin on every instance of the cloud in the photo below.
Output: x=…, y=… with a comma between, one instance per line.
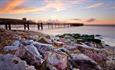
x=11, y=5
x=95, y=5
x=61, y=4
x=75, y=19
x=55, y=4
x=91, y=20
x=14, y=6
x=25, y=10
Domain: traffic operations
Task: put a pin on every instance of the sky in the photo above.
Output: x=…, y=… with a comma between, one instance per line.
x=74, y=11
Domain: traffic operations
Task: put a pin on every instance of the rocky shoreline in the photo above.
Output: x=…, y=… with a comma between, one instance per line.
x=28, y=50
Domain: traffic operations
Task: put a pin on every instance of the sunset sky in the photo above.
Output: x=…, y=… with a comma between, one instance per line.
x=86, y=11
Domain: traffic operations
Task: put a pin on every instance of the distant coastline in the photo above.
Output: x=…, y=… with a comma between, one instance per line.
x=99, y=24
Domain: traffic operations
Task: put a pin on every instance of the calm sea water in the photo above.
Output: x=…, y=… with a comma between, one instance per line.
x=107, y=32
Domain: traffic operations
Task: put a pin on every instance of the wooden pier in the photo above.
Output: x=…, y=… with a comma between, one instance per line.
x=26, y=24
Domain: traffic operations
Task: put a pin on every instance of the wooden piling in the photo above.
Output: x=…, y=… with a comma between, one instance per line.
x=38, y=26
x=9, y=26
x=6, y=26
x=24, y=26
x=28, y=27
x=41, y=25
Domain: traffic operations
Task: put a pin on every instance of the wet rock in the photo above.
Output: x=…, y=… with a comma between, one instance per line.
x=11, y=62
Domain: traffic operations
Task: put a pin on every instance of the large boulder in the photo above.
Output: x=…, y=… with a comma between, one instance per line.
x=30, y=54
x=57, y=60
x=43, y=48
x=84, y=62
x=14, y=46
x=11, y=62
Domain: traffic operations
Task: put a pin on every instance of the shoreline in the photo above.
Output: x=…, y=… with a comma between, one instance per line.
x=108, y=39
x=37, y=49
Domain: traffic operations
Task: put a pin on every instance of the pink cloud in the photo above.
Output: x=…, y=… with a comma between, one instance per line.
x=14, y=6
x=55, y=4
x=91, y=20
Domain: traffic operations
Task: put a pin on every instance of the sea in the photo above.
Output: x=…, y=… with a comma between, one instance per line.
x=107, y=32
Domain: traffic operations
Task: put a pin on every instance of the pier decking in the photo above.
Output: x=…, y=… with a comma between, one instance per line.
x=26, y=24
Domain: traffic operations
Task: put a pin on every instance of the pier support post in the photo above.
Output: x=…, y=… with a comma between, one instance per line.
x=24, y=26
x=28, y=27
x=48, y=25
x=38, y=26
x=6, y=27
x=41, y=26
x=9, y=26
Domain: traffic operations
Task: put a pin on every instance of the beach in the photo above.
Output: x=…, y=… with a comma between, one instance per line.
x=33, y=50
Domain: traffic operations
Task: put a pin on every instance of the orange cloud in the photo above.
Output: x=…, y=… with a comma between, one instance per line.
x=11, y=5
x=24, y=10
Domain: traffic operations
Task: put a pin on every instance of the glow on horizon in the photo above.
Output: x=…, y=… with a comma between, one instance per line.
x=97, y=11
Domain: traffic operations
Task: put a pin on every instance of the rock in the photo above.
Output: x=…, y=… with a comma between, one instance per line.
x=62, y=49
x=33, y=50
x=94, y=53
x=110, y=64
x=30, y=54
x=43, y=48
x=13, y=46
x=10, y=48
x=58, y=60
x=51, y=67
x=27, y=42
x=69, y=47
x=34, y=37
x=11, y=62
x=54, y=38
x=16, y=43
x=44, y=40
x=84, y=62
x=58, y=44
